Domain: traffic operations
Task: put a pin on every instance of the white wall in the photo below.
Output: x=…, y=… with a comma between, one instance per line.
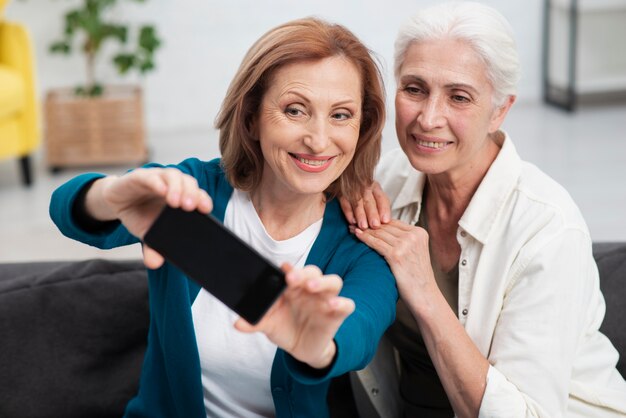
x=204, y=41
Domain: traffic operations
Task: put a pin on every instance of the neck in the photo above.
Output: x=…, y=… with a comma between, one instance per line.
x=445, y=205
x=448, y=194
x=284, y=215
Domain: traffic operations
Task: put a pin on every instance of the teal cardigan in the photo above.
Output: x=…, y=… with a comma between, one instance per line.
x=170, y=384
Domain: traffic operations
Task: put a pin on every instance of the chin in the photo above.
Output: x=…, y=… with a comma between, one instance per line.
x=308, y=188
x=427, y=166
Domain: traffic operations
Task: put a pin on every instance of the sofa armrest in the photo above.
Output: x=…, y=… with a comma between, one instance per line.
x=611, y=260
x=73, y=336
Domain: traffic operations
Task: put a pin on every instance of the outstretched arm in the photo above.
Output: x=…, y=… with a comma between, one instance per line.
x=137, y=197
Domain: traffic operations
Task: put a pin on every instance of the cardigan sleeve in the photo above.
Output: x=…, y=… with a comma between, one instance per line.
x=61, y=212
x=369, y=283
x=209, y=177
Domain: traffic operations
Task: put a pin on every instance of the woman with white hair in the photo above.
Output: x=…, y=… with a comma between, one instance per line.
x=500, y=303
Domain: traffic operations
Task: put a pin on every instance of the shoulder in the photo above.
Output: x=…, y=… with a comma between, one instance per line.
x=202, y=170
x=340, y=250
x=538, y=193
x=538, y=227
x=526, y=203
x=210, y=176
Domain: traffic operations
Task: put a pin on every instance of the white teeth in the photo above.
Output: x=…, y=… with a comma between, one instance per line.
x=316, y=163
x=431, y=144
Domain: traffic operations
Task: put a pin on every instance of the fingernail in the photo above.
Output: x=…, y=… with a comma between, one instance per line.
x=293, y=276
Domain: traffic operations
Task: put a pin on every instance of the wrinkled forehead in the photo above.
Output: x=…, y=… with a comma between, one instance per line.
x=451, y=58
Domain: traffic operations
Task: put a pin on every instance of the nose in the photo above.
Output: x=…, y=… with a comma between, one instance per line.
x=431, y=114
x=317, y=137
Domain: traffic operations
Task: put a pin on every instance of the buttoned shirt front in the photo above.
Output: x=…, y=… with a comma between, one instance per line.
x=529, y=294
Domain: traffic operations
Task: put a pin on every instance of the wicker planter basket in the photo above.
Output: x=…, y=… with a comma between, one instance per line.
x=105, y=130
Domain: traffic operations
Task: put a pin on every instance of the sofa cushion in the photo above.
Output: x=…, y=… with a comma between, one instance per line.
x=611, y=260
x=54, y=362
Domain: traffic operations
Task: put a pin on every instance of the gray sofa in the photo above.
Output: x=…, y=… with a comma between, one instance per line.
x=72, y=334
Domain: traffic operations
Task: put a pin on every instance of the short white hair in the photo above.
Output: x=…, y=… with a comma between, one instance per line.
x=481, y=26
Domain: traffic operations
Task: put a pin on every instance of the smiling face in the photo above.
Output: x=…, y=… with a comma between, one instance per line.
x=444, y=109
x=308, y=125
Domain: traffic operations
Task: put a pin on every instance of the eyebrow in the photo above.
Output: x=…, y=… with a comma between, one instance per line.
x=292, y=92
x=451, y=86
x=307, y=100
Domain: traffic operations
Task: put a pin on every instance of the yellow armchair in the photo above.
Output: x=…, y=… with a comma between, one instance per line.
x=19, y=118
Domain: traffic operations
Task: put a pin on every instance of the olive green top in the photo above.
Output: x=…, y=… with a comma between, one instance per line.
x=420, y=388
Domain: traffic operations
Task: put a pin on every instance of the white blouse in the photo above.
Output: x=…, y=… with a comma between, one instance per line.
x=529, y=293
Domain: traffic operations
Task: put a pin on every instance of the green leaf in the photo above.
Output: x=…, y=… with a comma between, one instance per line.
x=88, y=21
x=148, y=38
x=93, y=26
x=60, y=47
x=97, y=6
x=95, y=90
x=145, y=66
x=72, y=21
x=115, y=31
x=124, y=62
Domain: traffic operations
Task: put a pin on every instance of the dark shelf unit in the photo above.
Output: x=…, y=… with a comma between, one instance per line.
x=567, y=94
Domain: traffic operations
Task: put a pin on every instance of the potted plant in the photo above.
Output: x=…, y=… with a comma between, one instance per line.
x=93, y=123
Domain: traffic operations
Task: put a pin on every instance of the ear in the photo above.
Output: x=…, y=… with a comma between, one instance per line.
x=500, y=113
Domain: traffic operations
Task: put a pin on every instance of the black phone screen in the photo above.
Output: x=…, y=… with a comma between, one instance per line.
x=207, y=252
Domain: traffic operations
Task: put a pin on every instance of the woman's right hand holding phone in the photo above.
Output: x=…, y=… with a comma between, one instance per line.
x=137, y=197
x=306, y=317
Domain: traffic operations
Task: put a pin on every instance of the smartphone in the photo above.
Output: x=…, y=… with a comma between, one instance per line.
x=222, y=263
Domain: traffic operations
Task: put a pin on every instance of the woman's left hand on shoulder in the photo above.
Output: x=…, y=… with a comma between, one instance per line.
x=405, y=248
x=370, y=211
x=306, y=317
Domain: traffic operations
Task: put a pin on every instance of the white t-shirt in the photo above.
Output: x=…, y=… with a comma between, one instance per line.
x=235, y=366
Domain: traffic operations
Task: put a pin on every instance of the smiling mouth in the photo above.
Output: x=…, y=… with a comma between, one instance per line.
x=307, y=161
x=432, y=144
